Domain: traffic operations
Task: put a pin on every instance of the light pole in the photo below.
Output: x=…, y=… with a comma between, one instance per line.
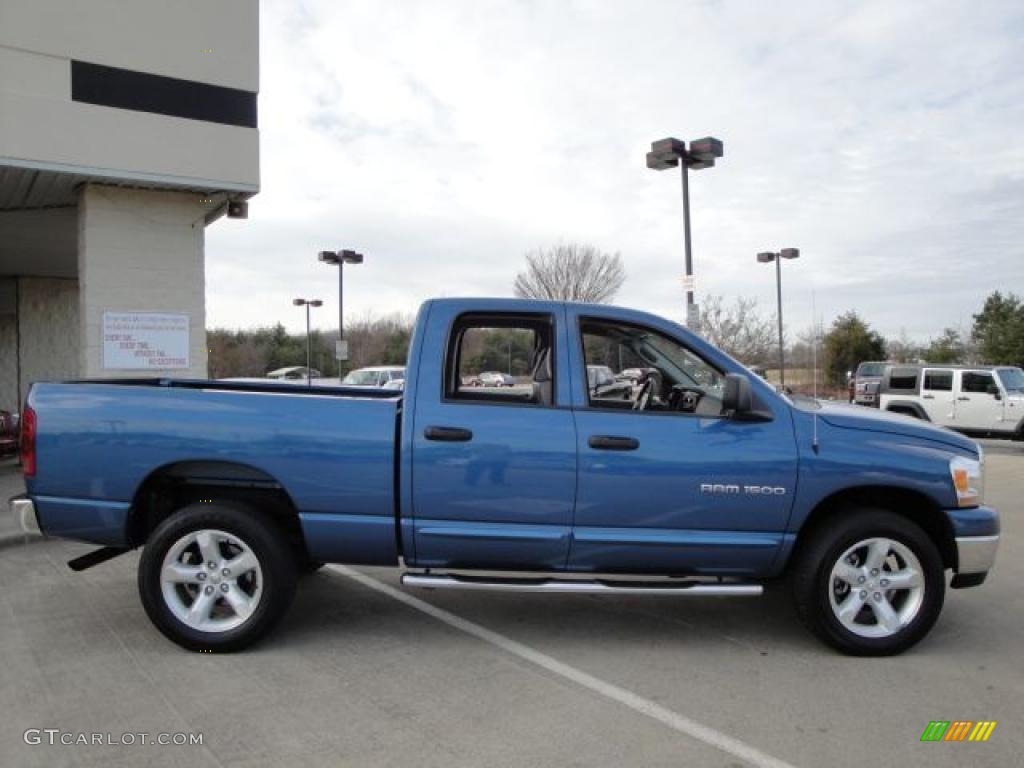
x=766, y=257
x=702, y=153
x=339, y=259
x=307, y=303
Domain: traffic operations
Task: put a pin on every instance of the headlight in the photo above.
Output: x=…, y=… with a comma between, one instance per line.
x=968, y=480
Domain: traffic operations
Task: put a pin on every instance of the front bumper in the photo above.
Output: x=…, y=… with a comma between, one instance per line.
x=24, y=511
x=976, y=534
x=976, y=554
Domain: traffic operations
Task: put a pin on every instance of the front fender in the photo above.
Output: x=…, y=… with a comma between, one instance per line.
x=848, y=459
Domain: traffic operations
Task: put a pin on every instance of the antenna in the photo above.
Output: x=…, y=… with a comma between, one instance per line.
x=814, y=344
x=814, y=364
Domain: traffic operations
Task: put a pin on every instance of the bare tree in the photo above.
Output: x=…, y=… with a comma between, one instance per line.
x=571, y=272
x=903, y=349
x=739, y=329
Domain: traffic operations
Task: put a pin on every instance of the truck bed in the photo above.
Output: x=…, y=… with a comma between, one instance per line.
x=331, y=450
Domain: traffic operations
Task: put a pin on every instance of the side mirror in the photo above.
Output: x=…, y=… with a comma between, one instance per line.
x=736, y=398
x=992, y=389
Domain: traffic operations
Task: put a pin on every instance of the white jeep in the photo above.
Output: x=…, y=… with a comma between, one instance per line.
x=980, y=399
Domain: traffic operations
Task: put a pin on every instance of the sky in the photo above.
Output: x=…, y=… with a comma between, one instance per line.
x=445, y=139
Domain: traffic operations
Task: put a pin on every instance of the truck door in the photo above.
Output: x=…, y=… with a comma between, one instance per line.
x=666, y=483
x=979, y=404
x=937, y=396
x=493, y=467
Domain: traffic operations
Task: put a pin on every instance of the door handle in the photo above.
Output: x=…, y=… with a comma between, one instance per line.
x=964, y=399
x=448, y=434
x=927, y=397
x=613, y=443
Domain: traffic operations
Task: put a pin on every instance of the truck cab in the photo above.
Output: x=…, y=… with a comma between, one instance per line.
x=545, y=472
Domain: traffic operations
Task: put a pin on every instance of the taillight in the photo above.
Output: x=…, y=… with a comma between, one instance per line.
x=28, y=442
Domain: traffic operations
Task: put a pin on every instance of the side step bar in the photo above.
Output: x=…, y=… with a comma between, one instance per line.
x=569, y=586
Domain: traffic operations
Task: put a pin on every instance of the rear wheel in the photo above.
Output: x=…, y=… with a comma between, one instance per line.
x=871, y=584
x=216, y=577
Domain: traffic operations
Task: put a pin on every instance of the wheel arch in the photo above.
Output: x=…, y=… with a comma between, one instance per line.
x=172, y=486
x=915, y=506
x=909, y=408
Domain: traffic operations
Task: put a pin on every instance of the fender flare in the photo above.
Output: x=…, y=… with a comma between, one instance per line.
x=902, y=406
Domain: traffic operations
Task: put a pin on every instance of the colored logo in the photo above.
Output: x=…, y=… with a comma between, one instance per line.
x=958, y=730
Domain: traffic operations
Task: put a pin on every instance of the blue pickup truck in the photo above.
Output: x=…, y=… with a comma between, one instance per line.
x=702, y=481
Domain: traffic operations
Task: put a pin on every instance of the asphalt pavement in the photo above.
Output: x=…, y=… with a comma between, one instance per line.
x=362, y=673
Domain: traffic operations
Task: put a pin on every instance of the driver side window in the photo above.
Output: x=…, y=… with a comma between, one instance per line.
x=630, y=367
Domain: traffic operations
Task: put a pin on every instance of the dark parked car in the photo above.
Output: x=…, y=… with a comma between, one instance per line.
x=864, y=383
x=8, y=433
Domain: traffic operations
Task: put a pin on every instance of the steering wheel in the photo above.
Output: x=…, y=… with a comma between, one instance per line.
x=685, y=399
x=643, y=398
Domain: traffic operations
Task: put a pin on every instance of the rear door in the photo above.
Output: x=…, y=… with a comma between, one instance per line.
x=937, y=397
x=494, y=468
x=978, y=403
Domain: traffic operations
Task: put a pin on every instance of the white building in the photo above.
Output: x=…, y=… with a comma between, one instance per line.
x=125, y=129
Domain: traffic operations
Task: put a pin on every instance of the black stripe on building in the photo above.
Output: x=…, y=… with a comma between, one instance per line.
x=142, y=92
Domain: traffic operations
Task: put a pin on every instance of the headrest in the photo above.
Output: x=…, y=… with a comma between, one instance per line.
x=542, y=367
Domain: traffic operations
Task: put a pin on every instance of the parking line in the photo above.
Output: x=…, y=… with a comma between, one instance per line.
x=674, y=720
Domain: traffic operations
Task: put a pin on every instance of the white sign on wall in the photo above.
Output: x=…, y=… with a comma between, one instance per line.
x=145, y=341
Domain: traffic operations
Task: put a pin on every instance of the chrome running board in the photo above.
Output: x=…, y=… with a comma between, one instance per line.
x=576, y=586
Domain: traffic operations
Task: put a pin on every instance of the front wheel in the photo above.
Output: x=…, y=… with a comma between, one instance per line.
x=216, y=577
x=871, y=584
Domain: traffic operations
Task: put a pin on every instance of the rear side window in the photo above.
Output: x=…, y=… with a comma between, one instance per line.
x=974, y=381
x=938, y=381
x=903, y=379
x=501, y=359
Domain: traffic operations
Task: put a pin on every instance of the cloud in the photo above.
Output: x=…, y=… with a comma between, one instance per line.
x=444, y=139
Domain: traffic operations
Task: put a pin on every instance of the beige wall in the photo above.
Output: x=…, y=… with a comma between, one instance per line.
x=41, y=127
x=44, y=311
x=163, y=37
x=140, y=251
x=130, y=249
x=48, y=324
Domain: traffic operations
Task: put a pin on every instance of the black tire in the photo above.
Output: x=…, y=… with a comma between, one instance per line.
x=813, y=587
x=253, y=528
x=308, y=567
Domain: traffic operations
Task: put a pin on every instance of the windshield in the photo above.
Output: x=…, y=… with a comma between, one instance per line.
x=1012, y=378
x=361, y=378
x=691, y=369
x=870, y=369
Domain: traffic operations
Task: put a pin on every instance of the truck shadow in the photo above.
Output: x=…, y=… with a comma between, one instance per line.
x=328, y=604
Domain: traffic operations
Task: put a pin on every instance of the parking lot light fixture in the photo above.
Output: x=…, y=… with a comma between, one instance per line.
x=307, y=303
x=766, y=257
x=339, y=259
x=702, y=153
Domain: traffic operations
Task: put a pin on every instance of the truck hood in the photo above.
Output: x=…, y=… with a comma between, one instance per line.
x=859, y=417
